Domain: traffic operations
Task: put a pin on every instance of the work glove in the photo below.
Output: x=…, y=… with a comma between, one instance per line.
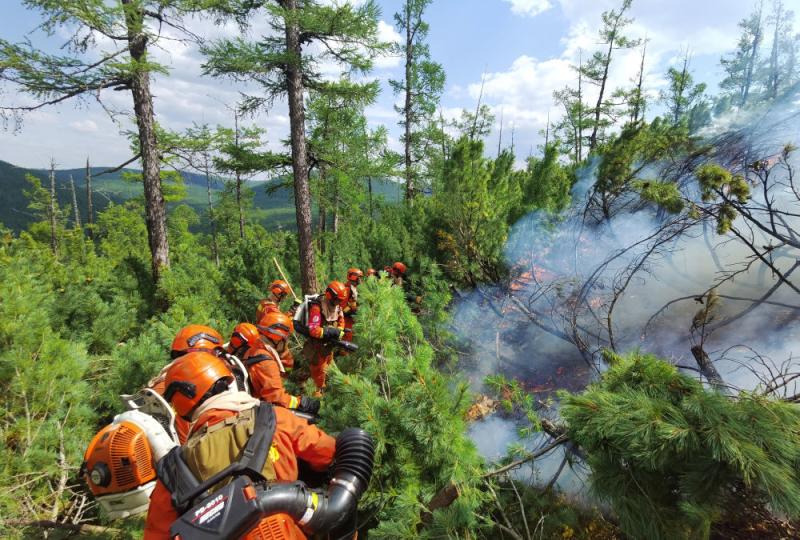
x=331, y=333
x=309, y=405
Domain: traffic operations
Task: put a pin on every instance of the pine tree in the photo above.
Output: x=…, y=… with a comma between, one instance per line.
x=670, y=455
x=284, y=66
x=421, y=87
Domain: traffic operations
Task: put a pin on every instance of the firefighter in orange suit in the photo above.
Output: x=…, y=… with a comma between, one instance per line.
x=325, y=321
x=398, y=273
x=278, y=291
x=265, y=366
x=354, y=276
x=191, y=338
x=222, y=421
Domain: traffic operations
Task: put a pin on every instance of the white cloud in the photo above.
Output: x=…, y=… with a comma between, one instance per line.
x=84, y=126
x=388, y=34
x=529, y=8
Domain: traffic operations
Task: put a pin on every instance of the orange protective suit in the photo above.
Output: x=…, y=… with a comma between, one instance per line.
x=266, y=371
x=271, y=304
x=322, y=314
x=294, y=439
x=350, y=311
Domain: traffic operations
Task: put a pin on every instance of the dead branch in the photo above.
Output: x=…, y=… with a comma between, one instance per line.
x=530, y=457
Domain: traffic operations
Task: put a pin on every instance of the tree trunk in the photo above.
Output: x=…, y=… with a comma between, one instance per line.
x=155, y=209
x=238, y=179
x=774, y=76
x=708, y=370
x=638, y=105
x=681, y=89
x=335, y=221
x=89, y=206
x=52, y=211
x=323, y=217
x=407, y=105
x=297, y=121
x=214, y=244
x=597, y=110
x=579, y=142
x=751, y=63
x=369, y=187
x=76, y=213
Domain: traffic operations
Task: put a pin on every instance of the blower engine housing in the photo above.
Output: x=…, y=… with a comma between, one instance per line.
x=120, y=462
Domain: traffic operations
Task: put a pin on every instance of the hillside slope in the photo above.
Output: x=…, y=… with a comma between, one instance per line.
x=272, y=206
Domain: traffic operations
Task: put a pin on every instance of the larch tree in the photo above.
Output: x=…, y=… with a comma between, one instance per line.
x=740, y=66
x=420, y=88
x=569, y=129
x=240, y=156
x=109, y=48
x=596, y=70
x=285, y=63
x=681, y=94
x=634, y=99
x=195, y=149
x=345, y=153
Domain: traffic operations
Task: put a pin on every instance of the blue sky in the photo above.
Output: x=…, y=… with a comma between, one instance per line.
x=521, y=49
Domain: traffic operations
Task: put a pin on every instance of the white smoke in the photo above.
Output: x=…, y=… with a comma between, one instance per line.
x=547, y=325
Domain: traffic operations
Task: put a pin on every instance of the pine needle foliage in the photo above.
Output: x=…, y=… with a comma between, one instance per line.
x=670, y=455
x=416, y=415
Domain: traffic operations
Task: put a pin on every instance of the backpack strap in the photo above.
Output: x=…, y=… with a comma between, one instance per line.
x=257, y=359
x=176, y=476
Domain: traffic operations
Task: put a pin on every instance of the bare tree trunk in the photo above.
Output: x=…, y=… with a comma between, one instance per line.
x=638, y=106
x=335, y=222
x=408, y=113
x=89, y=206
x=214, y=245
x=369, y=187
x=323, y=216
x=751, y=62
x=76, y=213
x=155, y=209
x=238, y=178
x=599, y=106
x=52, y=210
x=579, y=140
x=774, y=76
x=297, y=121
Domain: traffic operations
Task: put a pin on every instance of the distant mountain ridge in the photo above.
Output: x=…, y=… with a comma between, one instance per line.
x=275, y=209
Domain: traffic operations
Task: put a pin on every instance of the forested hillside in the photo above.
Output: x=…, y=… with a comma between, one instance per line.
x=595, y=338
x=272, y=204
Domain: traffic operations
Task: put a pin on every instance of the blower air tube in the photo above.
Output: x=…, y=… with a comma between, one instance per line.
x=355, y=454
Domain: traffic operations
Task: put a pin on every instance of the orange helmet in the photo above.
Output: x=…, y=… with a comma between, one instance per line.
x=194, y=378
x=354, y=274
x=371, y=272
x=244, y=335
x=399, y=268
x=276, y=326
x=337, y=292
x=279, y=288
x=195, y=337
